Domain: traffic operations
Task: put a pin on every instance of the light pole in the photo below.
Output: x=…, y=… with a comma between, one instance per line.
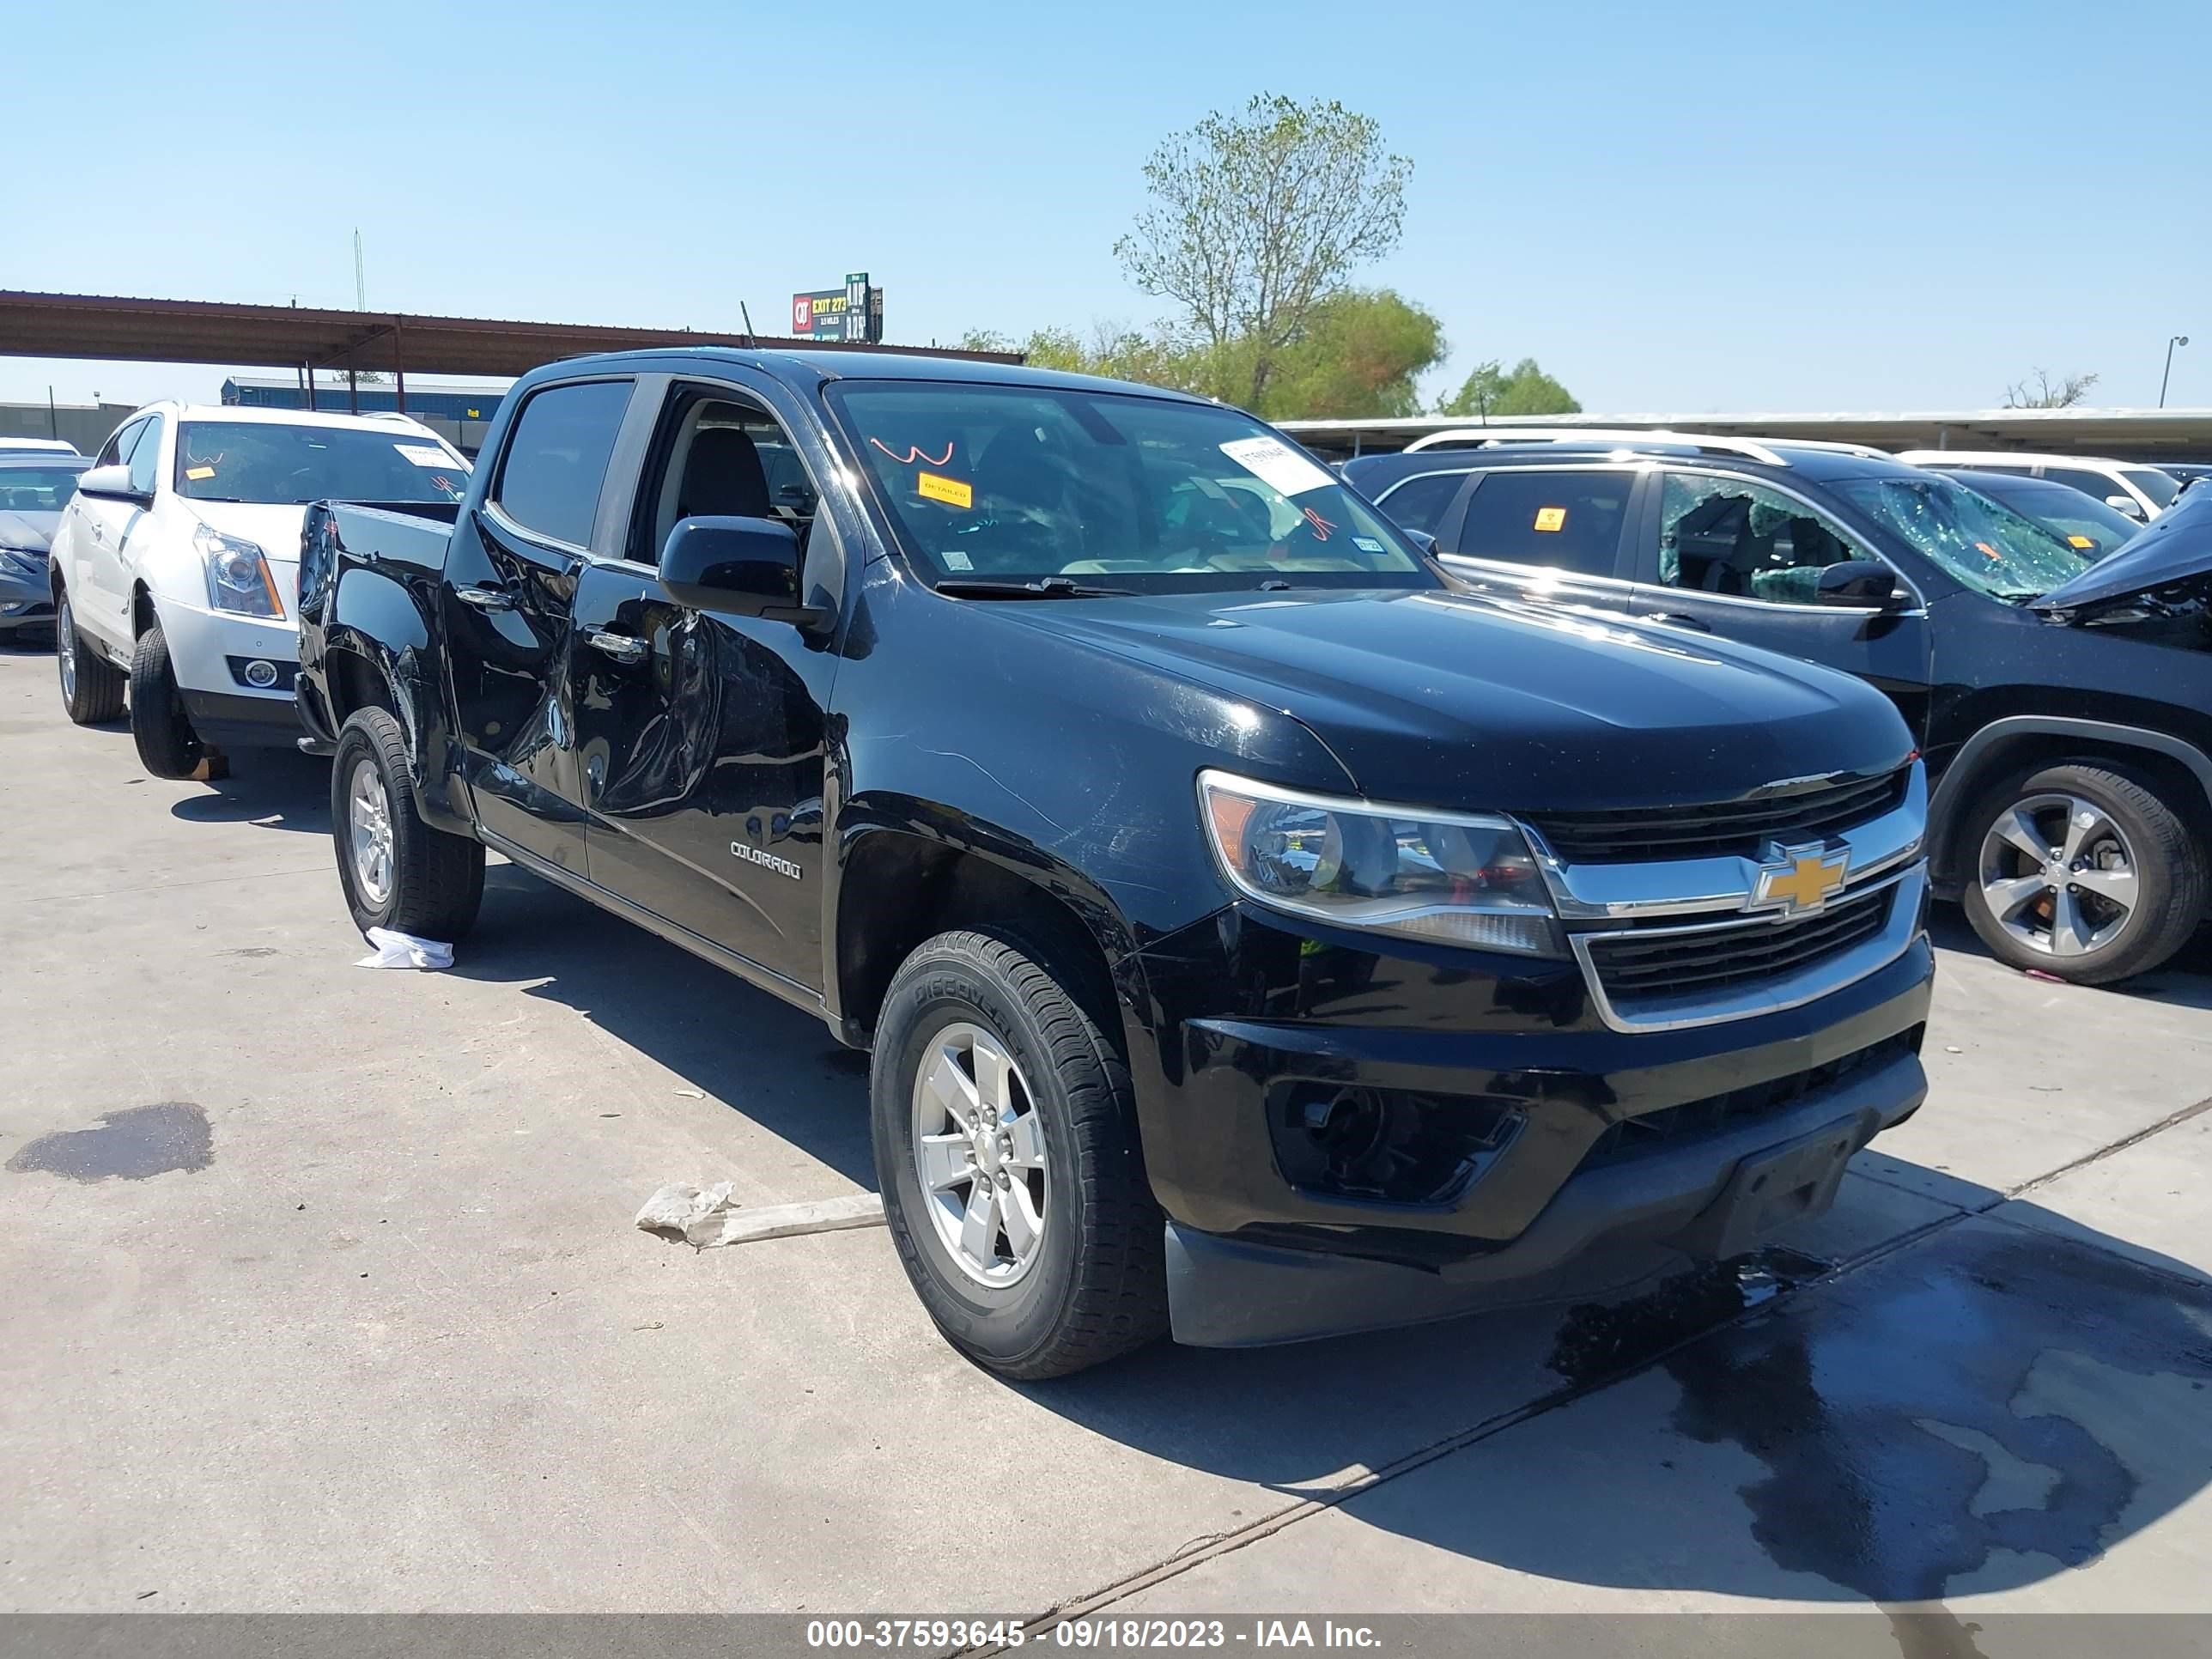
x=2177, y=339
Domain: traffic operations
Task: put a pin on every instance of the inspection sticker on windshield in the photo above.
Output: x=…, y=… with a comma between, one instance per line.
x=1550, y=518
x=1367, y=543
x=955, y=559
x=953, y=492
x=424, y=454
x=1274, y=462
x=197, y=473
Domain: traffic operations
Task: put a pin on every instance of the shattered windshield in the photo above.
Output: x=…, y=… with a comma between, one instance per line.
x=1979, y=542
x=1018, y=483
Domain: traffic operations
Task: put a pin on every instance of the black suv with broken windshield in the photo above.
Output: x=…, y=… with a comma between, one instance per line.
x=2064, y=699
x=1257, y=935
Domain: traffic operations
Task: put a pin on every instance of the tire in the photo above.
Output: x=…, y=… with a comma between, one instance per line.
x=2142, y=884
x=167, y=745
x=1094, y=1284
x=428, y=883
x=92, y=686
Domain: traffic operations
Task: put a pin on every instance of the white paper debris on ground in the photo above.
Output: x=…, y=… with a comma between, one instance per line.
x=704, y=1216
x=396, y=950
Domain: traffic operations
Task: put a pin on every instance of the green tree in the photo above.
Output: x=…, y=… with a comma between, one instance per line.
x=1256, y=218
x=2044, y=392
x=1360, y=354
x=1524, y=389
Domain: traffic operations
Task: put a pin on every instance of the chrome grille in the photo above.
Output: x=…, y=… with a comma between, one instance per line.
x=1801, y=813
x=1640, y=965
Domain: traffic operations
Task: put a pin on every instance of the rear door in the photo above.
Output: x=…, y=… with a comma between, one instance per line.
x=1723, y=554
x=1559, y=534
x=701, y=736
x=509, y=600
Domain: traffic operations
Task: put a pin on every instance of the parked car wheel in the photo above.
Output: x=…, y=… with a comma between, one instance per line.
x=398, y=871
x=167, y=745
x=2085, y=873
x=92, y=686
x=1007, y=1151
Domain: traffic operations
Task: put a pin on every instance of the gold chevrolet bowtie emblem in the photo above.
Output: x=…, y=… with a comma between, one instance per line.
x=1799, y=878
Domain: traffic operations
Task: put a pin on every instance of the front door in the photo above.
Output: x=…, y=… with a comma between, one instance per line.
x=102, y=595
x=509, y=598
x=702, y=736
x=1734, y=557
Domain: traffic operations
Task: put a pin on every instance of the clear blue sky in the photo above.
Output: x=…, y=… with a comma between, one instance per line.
x=1690, y=208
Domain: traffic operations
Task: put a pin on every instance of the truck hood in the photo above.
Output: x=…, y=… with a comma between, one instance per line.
x=29, y=532
x=1445, y=699
x=2174, y=547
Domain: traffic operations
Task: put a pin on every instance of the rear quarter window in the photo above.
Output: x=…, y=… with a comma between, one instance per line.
x=1421, y=503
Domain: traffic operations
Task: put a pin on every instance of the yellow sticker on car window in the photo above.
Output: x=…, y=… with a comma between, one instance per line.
x=953, y=492
x=1550, y=518
x=197, y=473
x=2080, y=541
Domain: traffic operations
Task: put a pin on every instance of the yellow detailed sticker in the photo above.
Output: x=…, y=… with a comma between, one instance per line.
x=1550, y=518
x=953, y=492
x=196, y=473
x=2082, y=542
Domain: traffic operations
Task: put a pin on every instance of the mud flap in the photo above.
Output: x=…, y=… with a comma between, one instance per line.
x=1793, y=1182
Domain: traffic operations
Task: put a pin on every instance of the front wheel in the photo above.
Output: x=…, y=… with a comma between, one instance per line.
x=398, y=872
x=1006, y=1151
x=2083, y=874
x=160, y=725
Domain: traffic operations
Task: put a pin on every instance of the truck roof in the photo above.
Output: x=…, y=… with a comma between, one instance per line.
x=822, y=366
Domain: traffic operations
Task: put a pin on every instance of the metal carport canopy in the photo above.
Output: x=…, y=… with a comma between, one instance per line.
x=290, y=336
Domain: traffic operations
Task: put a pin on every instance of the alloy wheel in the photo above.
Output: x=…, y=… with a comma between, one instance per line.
x=65, y=648
x=368, y=833
x=979, y=1151
x=2059, y=875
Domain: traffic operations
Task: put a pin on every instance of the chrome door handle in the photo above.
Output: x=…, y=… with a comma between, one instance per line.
x=484, y=599
x=1679, y=620
x=623, y=648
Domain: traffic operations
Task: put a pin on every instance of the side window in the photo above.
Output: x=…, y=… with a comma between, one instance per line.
x=2089, y=484
x=557, y=458
x=1730, y=536
x=116, y=450
x=719, y=457
x=146, y=457
x=1419, y=503
x=1566, y=520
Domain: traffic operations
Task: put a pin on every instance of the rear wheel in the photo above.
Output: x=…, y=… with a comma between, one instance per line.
x=2084, y=873
x=1007, y=1151
x=92, y=686
x=398, y=871
x=167, y=745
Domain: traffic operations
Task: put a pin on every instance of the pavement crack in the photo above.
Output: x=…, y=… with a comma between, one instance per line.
x=2172, y=1121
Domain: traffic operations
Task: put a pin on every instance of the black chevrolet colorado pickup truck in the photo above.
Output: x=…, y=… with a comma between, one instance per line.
x=1257, y=935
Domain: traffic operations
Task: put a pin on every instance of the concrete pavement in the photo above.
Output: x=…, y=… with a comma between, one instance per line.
x=380, y=1335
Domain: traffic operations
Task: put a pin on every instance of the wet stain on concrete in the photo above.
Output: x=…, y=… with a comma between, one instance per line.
x=254, y=951
x=1602, y=1340
x=132, y=1144
x=1973, y=1400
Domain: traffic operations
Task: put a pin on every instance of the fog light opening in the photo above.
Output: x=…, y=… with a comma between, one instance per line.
x=261, y=674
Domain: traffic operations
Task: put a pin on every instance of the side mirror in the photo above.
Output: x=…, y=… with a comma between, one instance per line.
x=2127, y=504
x=112, y=483
x=1859, y=582
x=1424, y=542
x=739, y=566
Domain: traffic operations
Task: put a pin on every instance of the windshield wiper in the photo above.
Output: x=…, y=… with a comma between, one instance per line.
x=1052, y=587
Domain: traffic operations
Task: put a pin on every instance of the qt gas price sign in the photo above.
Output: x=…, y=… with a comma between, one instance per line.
x=853, y=314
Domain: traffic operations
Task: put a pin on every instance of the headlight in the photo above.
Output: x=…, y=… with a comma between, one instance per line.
x=1450, y=877
x=28, y=567
x=238, y=573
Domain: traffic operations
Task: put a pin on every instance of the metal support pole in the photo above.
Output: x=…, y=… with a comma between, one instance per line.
x=398, y=368
x=311, y=390
x=2173, y=340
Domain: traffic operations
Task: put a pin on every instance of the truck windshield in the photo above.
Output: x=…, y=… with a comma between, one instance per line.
x=1978, y=542
x=1015, y=483
x=262, y=461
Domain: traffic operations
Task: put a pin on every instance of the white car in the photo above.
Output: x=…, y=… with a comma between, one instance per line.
x=38, y=447
x=2130, y=486
x=175, y=568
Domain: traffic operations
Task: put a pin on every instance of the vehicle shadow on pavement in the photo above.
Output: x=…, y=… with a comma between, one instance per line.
x=1982, y=1409
x=2185, y=981
x=270, y=788
x=776, y=1064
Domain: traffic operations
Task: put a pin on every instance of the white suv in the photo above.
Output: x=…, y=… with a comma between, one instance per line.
x=175, y=569
x=2130, y=486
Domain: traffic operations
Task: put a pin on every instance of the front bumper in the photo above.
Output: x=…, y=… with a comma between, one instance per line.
x=25, y=602
x=211, y=653
x=1523, y=1148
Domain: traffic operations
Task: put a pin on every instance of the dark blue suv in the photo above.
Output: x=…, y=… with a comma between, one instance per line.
x=2065, y=704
